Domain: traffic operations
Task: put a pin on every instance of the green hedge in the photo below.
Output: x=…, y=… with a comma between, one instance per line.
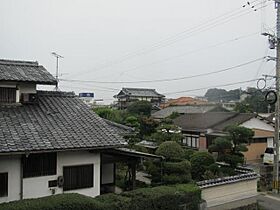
x=157, y=198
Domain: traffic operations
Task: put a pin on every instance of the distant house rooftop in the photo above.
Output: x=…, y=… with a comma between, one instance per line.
x=25, y=71
x=58, y=122
x=166, y=112
x=139, y=92
x=214, y=120
x=183, y=101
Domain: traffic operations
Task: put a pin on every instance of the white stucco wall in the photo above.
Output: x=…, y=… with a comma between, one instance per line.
x=36, y=187
x=27, y=88
x=108, y=173
x=257, y=124
x=81, y=158
x=222, y=194
x=11, y=165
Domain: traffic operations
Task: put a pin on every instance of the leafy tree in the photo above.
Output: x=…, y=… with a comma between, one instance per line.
x=140, y=108
x=167, y=131
x=199, y=163
x=114, y=115
x=132, y=121
x=147, y=126
x=174, y=115
x=221, y=95
x=239, y=136
x=254, y=102
x=229, y=148
x=221, y=145
x=171, y=150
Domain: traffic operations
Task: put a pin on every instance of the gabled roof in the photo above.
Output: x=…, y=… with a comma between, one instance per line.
x=184, y=110
x=25, y=71
x=211, y=120
x=139, y=92
x=60, y=121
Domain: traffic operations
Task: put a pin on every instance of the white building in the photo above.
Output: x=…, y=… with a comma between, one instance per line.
x=50, y=142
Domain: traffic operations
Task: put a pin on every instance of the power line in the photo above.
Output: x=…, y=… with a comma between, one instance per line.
x=192, y=51
x=223, y=85
x=171, y=40
x=167, y=80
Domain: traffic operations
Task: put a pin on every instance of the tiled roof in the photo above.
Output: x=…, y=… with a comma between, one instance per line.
x=140, y=92
x=25, y=71
x=183, y=101
x=59, y=121
x=211, y=120
x=119, y=128
x=182, y=110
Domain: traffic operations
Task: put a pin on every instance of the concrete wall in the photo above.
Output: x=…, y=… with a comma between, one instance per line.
x=11, y=165
x=222, y=194
x=255, y=150
x=36, y=187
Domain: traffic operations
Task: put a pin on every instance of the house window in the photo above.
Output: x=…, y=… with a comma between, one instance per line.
x=7, y=95
x=191, y=141
x=78, y=177
x=3, y=184
x=39, y=165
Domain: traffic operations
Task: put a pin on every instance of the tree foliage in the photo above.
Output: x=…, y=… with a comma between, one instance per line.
x=229, y=148
x=140, y=108
x=171, y=150
x=254, y=102
x=199, y=163
x=221, y=95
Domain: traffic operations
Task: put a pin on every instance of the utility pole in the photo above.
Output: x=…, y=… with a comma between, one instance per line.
x=57, y=62
x=277, y=105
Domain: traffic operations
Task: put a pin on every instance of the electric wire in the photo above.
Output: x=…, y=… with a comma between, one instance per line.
x=222, y=85
x=167, y=80
x=190, y=32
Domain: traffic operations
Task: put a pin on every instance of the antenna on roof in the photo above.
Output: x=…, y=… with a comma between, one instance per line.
x=56, y=74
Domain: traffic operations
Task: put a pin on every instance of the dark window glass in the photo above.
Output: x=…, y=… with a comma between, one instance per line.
x=39, y=165
x=77, y=177
x=7, y=95
x=3, y=184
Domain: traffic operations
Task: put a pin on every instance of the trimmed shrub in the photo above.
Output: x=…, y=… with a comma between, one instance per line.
x=188, y=153
x=171, y=150
x=199, y=163
x=165, y=197
x=176, y=173
x=157, y=198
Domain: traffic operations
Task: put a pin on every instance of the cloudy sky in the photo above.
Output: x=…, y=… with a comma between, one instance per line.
x=107, y=42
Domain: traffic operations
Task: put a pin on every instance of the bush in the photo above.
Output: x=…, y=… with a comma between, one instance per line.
x=199, y=163
x=176, y=173
x=165, y=197
x=158, y=198
x=188, y=153
x=171, y=150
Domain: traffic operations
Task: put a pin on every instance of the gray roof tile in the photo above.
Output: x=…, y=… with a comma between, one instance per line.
x=59, y=121
x=25, y=71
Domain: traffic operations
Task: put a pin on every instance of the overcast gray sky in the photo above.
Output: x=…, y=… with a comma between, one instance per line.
x=132, y=40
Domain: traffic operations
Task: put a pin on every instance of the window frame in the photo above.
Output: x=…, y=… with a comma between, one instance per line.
x=45, y=163
x=68, y=187
x=5, y=191
x=9, y=93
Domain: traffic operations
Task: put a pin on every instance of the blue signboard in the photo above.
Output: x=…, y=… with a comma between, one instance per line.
x=86, y=95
